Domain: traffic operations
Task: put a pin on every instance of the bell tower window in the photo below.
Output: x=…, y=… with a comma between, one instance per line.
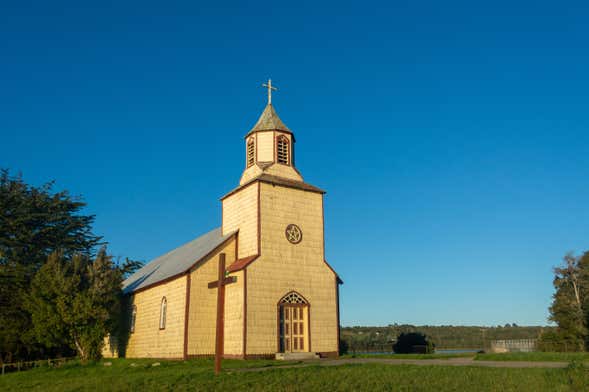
x=282, y=150
x=250, y=152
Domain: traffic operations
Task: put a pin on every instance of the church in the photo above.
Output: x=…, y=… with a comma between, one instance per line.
x=283, y=296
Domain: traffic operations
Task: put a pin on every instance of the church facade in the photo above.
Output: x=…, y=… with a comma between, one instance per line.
x=284, y=296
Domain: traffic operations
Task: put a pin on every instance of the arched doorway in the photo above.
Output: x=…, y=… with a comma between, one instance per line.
x=293, y=323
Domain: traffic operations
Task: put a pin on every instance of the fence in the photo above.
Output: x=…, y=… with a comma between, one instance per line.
x=370, y=348
x=513, y=345
x=18, y=366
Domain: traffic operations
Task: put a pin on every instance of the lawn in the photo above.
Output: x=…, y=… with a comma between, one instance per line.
x=197, y=375
x=534, y=357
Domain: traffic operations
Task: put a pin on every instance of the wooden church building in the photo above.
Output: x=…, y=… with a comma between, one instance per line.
x=283, y=296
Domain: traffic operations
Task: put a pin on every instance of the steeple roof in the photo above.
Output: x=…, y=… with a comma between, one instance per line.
x=269, y=121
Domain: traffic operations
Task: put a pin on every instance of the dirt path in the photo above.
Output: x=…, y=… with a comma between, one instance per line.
x=418, y=362
x=449, y=362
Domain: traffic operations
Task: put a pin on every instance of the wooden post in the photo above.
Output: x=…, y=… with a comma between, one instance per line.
x=220, y=284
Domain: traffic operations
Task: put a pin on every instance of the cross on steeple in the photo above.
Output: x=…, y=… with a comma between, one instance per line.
x=270, y=88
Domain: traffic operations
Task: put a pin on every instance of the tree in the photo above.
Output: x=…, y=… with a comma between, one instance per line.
x=570, y=305
x=34, y=222
x=413, y=342
x=76, y=301
x=583, y=264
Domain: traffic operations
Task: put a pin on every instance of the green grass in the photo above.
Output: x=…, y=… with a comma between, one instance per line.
x=410, y=356
x=534, y=357
x=198, y=375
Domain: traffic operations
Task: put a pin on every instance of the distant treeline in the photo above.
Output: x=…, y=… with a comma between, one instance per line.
x=446, y=336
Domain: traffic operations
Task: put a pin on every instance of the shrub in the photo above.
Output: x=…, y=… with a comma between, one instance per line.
x=343, y=347
x=557, y=341
x=413, y=342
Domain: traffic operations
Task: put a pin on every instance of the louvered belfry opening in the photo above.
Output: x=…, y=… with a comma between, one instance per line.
x=251, y=152
x=282, y=150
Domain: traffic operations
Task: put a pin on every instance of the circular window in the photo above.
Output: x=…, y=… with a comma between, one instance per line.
x=294, y=234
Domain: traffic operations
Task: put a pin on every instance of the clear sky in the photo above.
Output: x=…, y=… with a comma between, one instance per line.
x=452, y=137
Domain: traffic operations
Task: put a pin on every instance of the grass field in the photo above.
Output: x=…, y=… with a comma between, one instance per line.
x=534, y=357
x=197, y=375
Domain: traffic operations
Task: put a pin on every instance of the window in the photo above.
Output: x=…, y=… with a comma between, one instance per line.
x=133, y=318
x=250, y=152
x=282, y=150
x=163, y=313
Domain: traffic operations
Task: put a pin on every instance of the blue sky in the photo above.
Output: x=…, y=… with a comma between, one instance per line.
x=452, y=137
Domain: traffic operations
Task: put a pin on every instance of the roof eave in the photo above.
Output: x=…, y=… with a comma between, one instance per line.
x=291, y=133
x=264, y=178
x=337, y=277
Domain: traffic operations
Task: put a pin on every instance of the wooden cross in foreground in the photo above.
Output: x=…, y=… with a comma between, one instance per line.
x=220, y=284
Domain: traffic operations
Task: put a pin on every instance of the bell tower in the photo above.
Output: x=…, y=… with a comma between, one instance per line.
x=290, y=293
x=270, y=176
x=269, y=146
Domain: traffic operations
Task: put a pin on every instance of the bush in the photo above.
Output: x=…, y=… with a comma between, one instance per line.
x=413, y=343
x=557, y=341
x=343, y=347
x=577, y=375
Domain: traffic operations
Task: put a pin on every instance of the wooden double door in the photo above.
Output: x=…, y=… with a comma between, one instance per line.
x=294, y=328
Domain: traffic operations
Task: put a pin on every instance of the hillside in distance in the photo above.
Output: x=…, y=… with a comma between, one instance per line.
x=364, y=338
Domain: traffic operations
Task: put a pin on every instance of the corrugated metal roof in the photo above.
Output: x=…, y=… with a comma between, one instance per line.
x=175, y=262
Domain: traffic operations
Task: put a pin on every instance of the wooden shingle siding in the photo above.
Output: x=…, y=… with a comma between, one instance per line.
x=148, y=340
x=283, y=267
x=240, y=212
x=234, y=314
x=203, y=303
x=266, y=146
